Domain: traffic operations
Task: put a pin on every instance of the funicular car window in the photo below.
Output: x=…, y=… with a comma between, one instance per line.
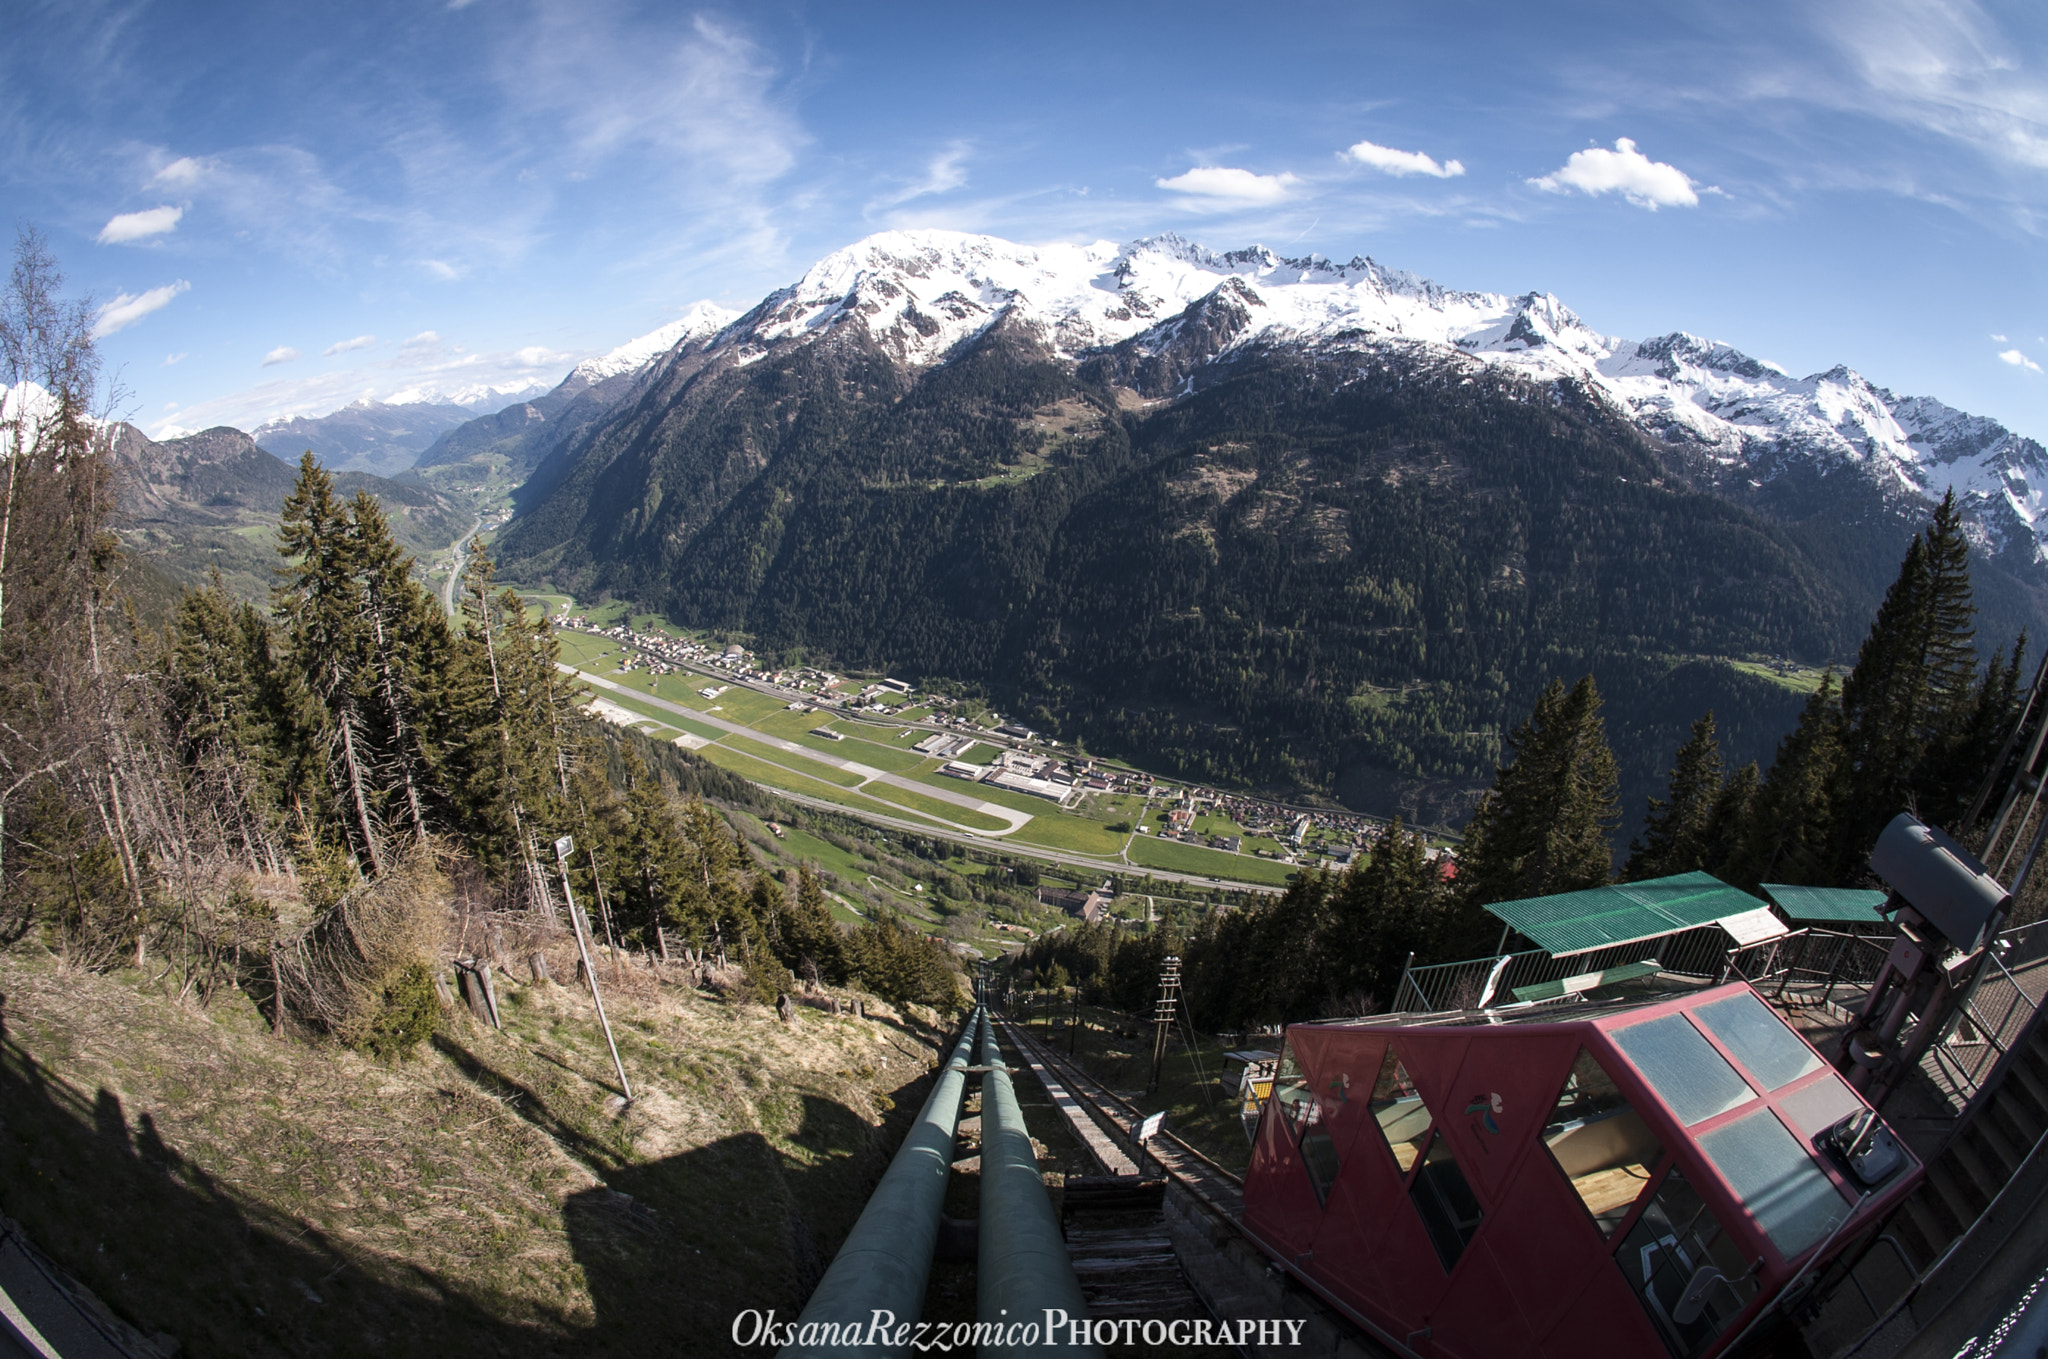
x=1398, y=1112
x=1687, y=1272
x=1318, y=1148
x=1759, y=1039
x=1291, y=1095
x=1450, y=1212
x=1600, y=1143
x=1692, y=1079
x=1777, y=1179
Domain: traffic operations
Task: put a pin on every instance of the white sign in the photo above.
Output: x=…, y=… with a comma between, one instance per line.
x=565, y=846
x=1149, y=1129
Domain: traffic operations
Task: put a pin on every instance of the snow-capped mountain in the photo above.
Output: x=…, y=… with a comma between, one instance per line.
x=482, y=397
x=702, y=319
x=1175, y=311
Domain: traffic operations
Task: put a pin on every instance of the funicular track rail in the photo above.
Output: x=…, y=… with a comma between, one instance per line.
x=1212, y=1183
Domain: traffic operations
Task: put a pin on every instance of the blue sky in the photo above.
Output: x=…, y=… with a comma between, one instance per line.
x=285, y=207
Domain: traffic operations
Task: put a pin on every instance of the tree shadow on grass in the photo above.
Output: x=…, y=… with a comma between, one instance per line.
x=681, y=1246
x=530, y=1104
x=170, y=1247
x=670, y=1251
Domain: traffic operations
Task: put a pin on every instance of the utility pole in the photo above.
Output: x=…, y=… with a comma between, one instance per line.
x=1163, y=1013
x=564, y=847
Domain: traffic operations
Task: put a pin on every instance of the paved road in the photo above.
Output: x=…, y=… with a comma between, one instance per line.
x=959, y=834
x=459, y=555
x=1023, y=849
x=868, y=774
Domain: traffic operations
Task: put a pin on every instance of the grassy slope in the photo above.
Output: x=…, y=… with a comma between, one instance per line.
x=251, y=1195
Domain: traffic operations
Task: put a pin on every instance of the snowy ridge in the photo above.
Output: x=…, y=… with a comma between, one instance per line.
x=701, y=320
x=922, y=294
x=470, y=395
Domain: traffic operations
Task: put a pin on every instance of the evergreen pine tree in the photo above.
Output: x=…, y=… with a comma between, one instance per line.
x=1675, y=833
x=1544, y=827
x=319, y=602
x=1908, y=704
x=406, y=664
x=649, y=883
x=1294, y=974
x=221, y=698
x=1383, y=909
x=1792, y=827
x=805, y=935
x=1730, y=826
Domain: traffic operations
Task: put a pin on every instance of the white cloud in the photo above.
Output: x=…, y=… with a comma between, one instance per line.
x=441, y=269
x=284, y=353
x=134, y=226
x=1624, y=170
x=128, y=308
x=536, y=356
x=1946, y=67
x=706, y=97
x=426, y=339
x=1999, y=339
x=1390, y=161
x=1224, y=186
x=181, y=173
x=345, y=346
x=944, y=173
x=2018, y=360
x=171, y=359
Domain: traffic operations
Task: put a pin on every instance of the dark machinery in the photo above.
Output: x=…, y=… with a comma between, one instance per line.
x=1947, y=909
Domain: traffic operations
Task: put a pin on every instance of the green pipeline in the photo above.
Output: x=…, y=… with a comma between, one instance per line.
x=887, y=1259
x=1023, y=1272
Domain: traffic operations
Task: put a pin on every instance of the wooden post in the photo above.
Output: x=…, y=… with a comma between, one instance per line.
x=276, y=994
x=483, y=972
x=538, y=961
x=564, y=847
x=475, y=977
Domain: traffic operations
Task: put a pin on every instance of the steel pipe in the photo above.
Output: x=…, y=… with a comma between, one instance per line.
x=1025, y=1283
x=887, y=1258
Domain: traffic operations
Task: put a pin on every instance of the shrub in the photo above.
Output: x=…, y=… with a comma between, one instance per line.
x=408, y=1016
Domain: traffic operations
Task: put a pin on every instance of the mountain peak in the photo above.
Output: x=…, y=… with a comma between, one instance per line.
x=698, y=321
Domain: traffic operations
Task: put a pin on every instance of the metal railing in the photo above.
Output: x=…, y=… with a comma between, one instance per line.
x=1826, y=968
x=1478, y=982
x=1811, y=967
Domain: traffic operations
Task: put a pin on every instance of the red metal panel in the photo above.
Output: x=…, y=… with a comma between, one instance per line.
x=1478, y=1318
x=1605, y=1319
x=1279, y=1202
x=1372, y=1252
x=1544, y=1241
x=1504, y=1093
x=1346, y=1065
x=1433, y=1058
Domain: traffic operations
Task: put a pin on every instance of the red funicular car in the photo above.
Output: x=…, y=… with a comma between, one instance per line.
x=1619, y=1179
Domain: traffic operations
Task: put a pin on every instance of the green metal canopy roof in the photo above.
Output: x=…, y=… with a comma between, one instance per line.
x=1827, y=903
x=1574, y=922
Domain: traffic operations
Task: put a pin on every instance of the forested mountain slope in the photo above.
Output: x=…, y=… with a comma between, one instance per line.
x=365, y=436
x=1335, y=562
x=211, y=500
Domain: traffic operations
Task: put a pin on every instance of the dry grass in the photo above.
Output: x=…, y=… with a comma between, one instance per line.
x=250, y=1195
